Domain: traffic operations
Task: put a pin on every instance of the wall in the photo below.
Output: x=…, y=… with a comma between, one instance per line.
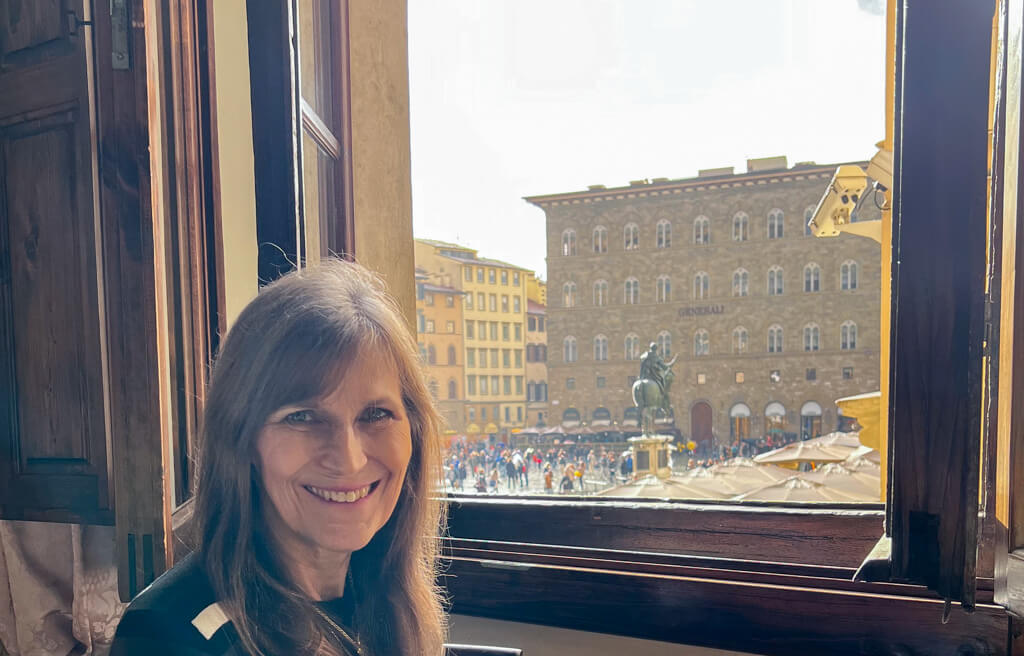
x=537, y=640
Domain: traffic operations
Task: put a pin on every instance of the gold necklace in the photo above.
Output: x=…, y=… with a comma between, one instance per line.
x=355, y=643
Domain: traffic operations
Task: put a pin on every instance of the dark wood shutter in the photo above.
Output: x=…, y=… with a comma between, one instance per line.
x=53, y=416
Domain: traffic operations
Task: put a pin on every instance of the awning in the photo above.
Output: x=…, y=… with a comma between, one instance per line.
x=491, y=428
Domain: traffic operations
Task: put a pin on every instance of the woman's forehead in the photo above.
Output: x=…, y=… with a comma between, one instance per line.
x=370, y=372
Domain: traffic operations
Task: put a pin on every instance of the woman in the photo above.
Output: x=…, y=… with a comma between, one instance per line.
x=316, y=530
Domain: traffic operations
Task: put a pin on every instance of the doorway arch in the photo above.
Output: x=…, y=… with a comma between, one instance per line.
x=701, y=424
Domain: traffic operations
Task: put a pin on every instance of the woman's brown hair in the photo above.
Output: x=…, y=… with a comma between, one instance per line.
x=290, y=344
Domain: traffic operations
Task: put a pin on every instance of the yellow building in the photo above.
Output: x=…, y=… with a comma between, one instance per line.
x=439, y=324
x=494, y=332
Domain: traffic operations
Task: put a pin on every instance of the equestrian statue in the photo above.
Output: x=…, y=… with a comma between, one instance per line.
x=650, y=391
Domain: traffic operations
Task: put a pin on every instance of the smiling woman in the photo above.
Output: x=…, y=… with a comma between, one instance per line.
x=312, y=512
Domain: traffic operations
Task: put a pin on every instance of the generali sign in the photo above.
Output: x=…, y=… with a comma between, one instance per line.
x=701, y=310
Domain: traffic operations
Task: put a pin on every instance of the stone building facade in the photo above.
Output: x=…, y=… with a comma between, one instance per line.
x=536, y=364
x=769, y=324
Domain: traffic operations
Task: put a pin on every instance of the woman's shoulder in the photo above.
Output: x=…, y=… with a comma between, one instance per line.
x=176, y=615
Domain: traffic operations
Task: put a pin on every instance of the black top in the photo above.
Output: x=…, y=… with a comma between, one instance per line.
x=169, y=618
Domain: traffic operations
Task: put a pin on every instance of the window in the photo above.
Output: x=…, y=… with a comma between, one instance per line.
x=515, y=278
x=518, y=330
x=471, y=388
x=664, y=294
x=431, y=354
x=492, y=302
x=504, y=302
x=740, y=227
x=517, y=304
x=664, y=234
x=494, y=389
x=470, y=357
x=848, y=336
x=506, y=388
x=569, y=349
x=664, y=343
x=775, y=224
x=570, y=383
x=600, y=348
x=631, y=291
x=507, y=413
x=811, y=374
x=701, y=343
x=631, y=237
x=531, y=353
x=494, y=358
x=740, y=282
x=775, y=339
x=600, y=239
x=775, y=281
x=632, y=347
x=494, y=331
x=812, y=337
x=701, y=285
x=506, y=358
x=601, y=293
x=421, y=322
x=569, y=242
x=739, y=340
x=519, y=386
x=848, y=275
x=430, y=325
x=483, y=413
x=701, y=231
x=702, y=379
x=847, y=373
x=542, y=353
x=469, y=300
x=808, y=215
x=481, y=329
x=505, y=335
x=519, y=413
x=481, y=302
x=483, y=392
x=600, y=382
x=428, y=299
x=449, y=300
x=451, y=355
x=449, y=327
x=467, y=273
x=530, y=391
x=569, y=294
x=492, y=276
x=470, y=330
x=504, y=277
x=472, y=414
x=812, y=278
x=519, y=357
x=739, y=377
x=453, y=389
x=531, y=324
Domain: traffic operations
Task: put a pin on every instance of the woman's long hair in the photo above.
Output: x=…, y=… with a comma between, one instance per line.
x=292, y=343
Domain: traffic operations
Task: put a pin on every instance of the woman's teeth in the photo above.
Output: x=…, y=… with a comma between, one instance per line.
x=340, y=497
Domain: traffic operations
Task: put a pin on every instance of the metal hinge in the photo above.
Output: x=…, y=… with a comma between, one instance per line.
x=74, y=22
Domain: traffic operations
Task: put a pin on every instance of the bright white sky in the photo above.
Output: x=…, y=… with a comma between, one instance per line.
x=513, y=98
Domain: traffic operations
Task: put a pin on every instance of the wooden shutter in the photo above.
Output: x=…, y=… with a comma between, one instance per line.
x=53, y=376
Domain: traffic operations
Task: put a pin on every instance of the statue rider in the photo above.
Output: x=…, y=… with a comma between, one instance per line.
x=654, y=368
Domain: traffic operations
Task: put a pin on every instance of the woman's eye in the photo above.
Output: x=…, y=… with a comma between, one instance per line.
x=377, y=414
x=300, y=418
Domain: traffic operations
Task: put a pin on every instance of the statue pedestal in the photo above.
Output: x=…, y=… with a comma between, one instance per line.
x=650, y=455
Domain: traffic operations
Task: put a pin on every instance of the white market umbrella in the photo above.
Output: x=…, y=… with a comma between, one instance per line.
x=798, y=490
x=804, y=452
x=863, y=484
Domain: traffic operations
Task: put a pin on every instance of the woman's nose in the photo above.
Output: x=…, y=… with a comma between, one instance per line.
x=343, y=450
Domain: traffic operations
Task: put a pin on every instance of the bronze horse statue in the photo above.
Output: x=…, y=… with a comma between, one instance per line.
x=648, y=393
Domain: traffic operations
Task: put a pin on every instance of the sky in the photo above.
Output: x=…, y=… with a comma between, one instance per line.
x=513, y=98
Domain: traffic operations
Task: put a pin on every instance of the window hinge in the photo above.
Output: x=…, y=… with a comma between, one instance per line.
x=74, y=22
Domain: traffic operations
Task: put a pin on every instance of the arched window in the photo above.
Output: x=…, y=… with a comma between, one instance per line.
x=701, y=285
x=739, y=421
x=701, y=230
x=739, y=340
x=848, y=275
x=664, y=342
x=569, y=242
x=664, y=231
x=631, y=236
x=812, y=337
x=775, y=418
x=848, y=336
x=570, y=416
x=775, y=224
x=600, y=239
x=431, y=355
x=812, y=278
x=632, y=347
x=600, y=348
x=451, y=354
x=775, y=281
x=569, y=349
x=740, y=282
x=453, y=390
x=740, y=227
x=810, y=420
x=808, y=215
x=631, y=291
x=775, y=339
x=601, y=293
x=664, y=289
x=701, y=343
x=569, y=294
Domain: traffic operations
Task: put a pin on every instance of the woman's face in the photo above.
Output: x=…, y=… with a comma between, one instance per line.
x=332, y=468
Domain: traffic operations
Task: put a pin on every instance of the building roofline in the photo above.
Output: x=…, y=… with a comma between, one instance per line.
x=485, y=262
x=672, y=187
